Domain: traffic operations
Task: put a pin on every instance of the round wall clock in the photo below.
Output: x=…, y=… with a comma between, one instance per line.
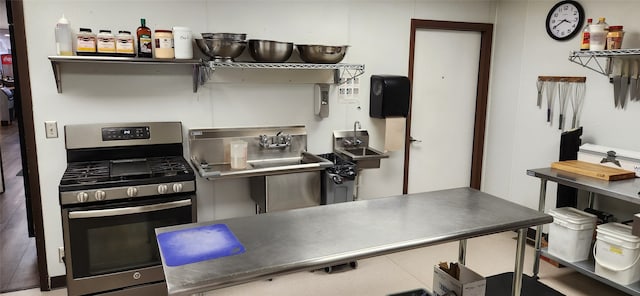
x=565, y=20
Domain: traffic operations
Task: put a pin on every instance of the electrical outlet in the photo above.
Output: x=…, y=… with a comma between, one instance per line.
x=61, y=254
x=51, y=128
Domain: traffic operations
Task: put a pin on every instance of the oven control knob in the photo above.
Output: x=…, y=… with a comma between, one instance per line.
x=162, y=188
x=132, y=191
x=100, y=195
x=82, y=196
x=177, y=187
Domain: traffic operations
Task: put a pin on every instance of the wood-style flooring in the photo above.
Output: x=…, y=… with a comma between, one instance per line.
x=18, y=263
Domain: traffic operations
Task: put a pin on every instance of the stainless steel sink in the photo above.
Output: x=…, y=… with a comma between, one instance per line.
x=304, y=163
x=354, y=146
x=363, y=157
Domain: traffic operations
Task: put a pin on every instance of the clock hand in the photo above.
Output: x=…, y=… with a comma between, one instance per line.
x=563, y=21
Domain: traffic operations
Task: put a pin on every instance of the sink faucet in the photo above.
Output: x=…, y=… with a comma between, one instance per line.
x=354, y=141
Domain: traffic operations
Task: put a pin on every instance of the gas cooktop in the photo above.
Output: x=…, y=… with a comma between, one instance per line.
x=108, y=162
x=109, y=173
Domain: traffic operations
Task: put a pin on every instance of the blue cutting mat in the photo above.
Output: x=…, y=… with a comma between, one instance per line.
x=198, y=244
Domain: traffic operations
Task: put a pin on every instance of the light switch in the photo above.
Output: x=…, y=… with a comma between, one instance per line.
x=51, y=129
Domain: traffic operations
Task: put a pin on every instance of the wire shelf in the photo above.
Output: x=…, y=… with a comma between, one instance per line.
x=589, y=59
x=344, y=72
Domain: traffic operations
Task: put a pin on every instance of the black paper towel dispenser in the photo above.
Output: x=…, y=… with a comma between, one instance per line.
x=389, y=96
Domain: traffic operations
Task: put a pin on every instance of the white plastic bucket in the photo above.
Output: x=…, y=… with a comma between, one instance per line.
x=617, y=252
x=570, y=234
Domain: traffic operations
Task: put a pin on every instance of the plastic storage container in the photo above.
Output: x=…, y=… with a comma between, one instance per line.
x=163, y=48
x=182, y=43
x=86, y=42
x=598, y=35
x=106, y=42
x=571, y=233
x=616, y=253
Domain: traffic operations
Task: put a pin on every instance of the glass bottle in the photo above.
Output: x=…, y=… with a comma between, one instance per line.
x=586, y=35
x=143, y=34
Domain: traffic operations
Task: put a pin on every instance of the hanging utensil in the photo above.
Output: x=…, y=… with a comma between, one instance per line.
x=633, y=80
x=616, y=78
x=539, y=85
x=577, y=102
x=563, y=94
x=624, y=84
x=550, y=90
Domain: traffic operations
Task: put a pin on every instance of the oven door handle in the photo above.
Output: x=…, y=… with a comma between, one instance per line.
x=129, y=210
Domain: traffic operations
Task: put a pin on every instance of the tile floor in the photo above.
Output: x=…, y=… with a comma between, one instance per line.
x=408, y=270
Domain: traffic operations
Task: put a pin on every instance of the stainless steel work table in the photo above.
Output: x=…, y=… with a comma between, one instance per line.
x=626, y=190
x=306, y=239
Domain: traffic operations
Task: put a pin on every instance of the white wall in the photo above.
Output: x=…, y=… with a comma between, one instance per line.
x=518, y=137
x=377, y=31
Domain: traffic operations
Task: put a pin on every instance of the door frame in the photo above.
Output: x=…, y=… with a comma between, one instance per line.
x=24, y=114
x=482, y=91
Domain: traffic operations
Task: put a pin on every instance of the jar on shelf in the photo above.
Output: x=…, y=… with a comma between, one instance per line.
x=598, y=34
x=124, y=43
x=106, y=42
x=614, y=37
x=163, y=44
x=85, y=41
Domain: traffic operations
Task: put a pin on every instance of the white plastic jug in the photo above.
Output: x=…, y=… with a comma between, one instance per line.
x=182, y=43
x=64, y=37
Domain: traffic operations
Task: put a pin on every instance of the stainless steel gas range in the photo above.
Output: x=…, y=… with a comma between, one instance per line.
x=122, y=181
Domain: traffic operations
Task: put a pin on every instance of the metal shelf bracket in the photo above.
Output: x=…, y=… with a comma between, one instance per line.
x=589, y=59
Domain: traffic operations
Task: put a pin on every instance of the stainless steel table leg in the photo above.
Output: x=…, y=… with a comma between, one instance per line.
x=462, y=251
x=536, y=260
x=516, y=288
x=591, y=199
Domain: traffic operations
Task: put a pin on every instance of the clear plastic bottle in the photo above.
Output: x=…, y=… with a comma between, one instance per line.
x=586, y=35
x=64, y=38
x=598, y=35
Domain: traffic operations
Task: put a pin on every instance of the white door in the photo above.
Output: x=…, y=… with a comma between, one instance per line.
x=443, y=109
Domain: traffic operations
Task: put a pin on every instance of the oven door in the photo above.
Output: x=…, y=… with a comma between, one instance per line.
x=114, y=245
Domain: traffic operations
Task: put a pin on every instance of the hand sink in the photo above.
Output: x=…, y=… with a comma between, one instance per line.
x=363, y=157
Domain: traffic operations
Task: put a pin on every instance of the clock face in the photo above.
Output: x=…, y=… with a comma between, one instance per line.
x=565, y=20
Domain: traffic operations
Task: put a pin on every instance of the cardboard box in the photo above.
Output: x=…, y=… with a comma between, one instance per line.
x=470, y=283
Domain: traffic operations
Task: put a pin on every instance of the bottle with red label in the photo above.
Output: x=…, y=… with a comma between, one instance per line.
x=586, y=36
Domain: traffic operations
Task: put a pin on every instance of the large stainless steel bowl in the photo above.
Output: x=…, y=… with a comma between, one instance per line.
x=322, y=54
x=232, y=36
x=270, y=51
x=222, y=50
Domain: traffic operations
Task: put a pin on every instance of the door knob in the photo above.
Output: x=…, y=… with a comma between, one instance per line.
x=412, y=139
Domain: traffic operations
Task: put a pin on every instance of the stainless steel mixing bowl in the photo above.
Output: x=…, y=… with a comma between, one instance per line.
x=232, y=36
x=270, y=51
x=322, y=54
x=222, y=50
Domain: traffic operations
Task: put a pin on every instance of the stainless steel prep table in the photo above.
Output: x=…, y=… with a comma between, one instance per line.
x=627, y=190
x=305, y=239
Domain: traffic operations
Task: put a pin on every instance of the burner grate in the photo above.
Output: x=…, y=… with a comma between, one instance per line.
x=86, y=172
x=168, y=166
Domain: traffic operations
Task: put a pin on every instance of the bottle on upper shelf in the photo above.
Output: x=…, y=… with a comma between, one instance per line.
x=143, y=34
x=586, y=35
x=598, y=35
x=64, y=37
